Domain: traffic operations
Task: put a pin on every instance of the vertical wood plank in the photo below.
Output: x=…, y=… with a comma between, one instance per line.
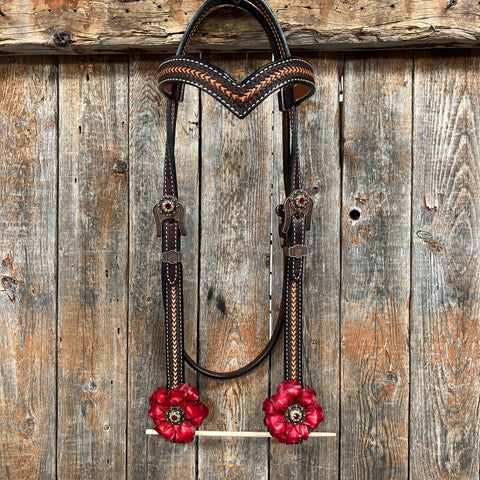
x=93, y=256
x=375, y=266
x=445, y=427
x=152, y=457
x=28, y=173
x=320, y=173
x=234, y=288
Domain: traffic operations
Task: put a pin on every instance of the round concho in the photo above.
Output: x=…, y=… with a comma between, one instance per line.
x=295, y=414
x=175, y=415
x=168, y=205
x=300, y=199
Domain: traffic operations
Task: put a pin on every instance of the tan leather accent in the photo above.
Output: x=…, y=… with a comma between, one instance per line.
x=300, y=92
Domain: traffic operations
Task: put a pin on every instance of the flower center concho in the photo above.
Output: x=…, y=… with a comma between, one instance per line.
x=175, y=415
x=292, y=413
x=295, y=414
x=176, y=412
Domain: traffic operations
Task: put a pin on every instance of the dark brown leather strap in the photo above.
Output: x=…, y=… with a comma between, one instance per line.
x=249, y=366
x=295, y=77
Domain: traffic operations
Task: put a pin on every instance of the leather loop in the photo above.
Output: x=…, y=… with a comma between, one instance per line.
x=258, y=8
x=249, y=366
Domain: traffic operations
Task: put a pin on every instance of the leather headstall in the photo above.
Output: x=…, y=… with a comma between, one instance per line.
x=293, y=412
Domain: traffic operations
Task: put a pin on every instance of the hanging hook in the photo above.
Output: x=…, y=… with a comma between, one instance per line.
x=451, y=3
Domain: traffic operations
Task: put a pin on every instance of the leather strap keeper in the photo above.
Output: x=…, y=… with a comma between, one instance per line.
x=297, y=251
x=172, y=257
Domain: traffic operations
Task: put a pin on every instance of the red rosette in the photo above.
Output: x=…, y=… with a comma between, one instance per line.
x=292, y=413
x=176, y=412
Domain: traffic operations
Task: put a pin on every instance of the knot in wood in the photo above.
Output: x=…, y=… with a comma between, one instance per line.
x=120, y=167
x=28, y=426
x=62, y=38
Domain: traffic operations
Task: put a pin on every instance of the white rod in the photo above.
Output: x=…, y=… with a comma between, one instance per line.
x=223, y=433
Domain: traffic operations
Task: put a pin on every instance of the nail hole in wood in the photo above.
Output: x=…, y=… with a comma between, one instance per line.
x=354, y=214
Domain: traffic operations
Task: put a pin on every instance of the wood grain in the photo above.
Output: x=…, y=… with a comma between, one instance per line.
x=83, y=26
x=358, y=272
x=375, y=266
x=92, y=266
x=234, y=288
x=319, y=124
x=445, y=429
x=153, y=457
x=28, y=197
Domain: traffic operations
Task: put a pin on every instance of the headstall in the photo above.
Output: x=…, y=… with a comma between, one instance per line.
x=293, y=412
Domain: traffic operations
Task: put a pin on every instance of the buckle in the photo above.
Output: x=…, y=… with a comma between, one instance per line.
x=297, y=251
x=172, y=257
x=169, y=208
x=299, y=202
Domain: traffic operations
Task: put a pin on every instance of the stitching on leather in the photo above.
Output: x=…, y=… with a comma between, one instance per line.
x=294, y=330
x=167, y=339
x=252, y=106
x=273, y=27
x=271, y=65
x=180, y=307
x=287, y=322
x=174, y=336
x=269, y=77
x=175, y=266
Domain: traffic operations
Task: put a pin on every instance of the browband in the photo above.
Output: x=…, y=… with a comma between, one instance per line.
x=293, y=412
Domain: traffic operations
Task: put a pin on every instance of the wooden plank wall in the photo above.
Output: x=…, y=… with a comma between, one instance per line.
x=155, y=26
x=391, y=315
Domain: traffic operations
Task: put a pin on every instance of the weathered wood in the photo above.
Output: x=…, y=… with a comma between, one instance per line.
x=236, y=174
x=445, y=428
x=92, y=267
x=375, y=266
x=319, y=144
x=370, y=408
x=83, y=26
x=153, y=457
x=28, y=173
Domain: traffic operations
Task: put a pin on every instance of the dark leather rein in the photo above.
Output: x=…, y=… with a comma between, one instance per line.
x=292, y=77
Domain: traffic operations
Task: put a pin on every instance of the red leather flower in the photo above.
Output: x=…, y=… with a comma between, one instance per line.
x=176, y=412
x=292, y=413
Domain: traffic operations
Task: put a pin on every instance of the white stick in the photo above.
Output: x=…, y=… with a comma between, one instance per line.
x=223, y=433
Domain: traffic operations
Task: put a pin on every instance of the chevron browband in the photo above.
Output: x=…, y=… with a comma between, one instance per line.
x=293, y=412
x=240, y=98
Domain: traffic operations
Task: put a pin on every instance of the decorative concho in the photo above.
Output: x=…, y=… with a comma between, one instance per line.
x=298, y=202
x=168, y=205
x=295, y=414
x=175, y=415
x=300, y=199
x=169, y=208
